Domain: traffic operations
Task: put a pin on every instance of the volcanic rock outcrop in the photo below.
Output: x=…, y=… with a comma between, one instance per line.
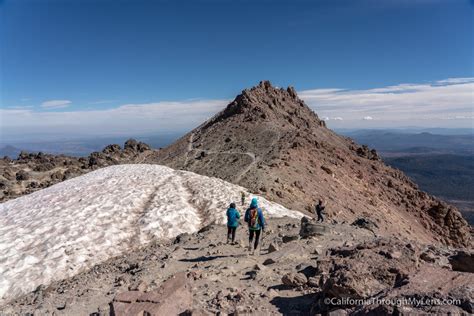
x=34, y=171
x=270, y=141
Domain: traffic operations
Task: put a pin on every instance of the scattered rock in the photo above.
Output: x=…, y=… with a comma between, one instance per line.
x=268, y=261
x=141, y=286
x=112, y=149
x=462, y=261
x=428, y=257
x=287, y=239
x=328, y=170
x=365, y=223
x=309, y=229
x=22, y=175
x=294, y=279
x=172, y=298
x=273, y=247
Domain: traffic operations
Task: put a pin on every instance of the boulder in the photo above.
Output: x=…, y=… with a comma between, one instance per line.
x=273, y=247
x=112, y=149
x=57, y=176
x=365, y=223
x=143, y=147
x=289, y=238
x=268, y=261
x=428, y=257
x=367, y=268
x=309, y=229
x=294, y=279
x=328, y=170
x=462, y=261
x=42, y=167
x=173, y=297
x=131, y=144
x=22, y=175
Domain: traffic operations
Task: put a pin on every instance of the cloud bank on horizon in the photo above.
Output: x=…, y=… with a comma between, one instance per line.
x=444, y=103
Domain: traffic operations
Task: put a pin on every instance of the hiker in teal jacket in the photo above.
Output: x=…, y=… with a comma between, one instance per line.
x=232, y=222
x=254, y=217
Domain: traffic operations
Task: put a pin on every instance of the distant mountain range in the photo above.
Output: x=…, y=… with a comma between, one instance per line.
x=441, y=164
x=393, y=142
x=81, y=147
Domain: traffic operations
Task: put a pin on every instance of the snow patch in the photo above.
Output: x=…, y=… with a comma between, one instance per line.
x=55, y=233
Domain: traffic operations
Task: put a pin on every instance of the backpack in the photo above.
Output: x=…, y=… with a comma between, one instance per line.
x=253, y=221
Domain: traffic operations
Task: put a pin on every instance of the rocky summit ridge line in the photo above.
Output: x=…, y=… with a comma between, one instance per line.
x=269, y=141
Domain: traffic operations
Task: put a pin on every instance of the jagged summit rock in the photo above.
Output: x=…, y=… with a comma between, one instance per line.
x=268, y=103
x=271, y=142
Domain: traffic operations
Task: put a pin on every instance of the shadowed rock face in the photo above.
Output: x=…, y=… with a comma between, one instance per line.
x=271, y=142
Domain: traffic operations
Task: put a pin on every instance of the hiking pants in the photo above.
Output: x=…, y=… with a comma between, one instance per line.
x=257, y=237
x=320, y=216
x=231, y=232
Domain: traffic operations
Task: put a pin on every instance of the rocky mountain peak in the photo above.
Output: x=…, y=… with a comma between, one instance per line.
x=269, y=141
x=265, y=102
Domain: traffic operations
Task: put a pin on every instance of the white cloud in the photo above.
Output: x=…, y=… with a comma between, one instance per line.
x=102, y=101
x=128, y=119
x=444, y=103
x=455, y=80
x=337, y=118
x=426, y=104
x=55, y=104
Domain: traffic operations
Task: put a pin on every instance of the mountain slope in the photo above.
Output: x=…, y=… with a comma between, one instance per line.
x=56, y=232
x=271, y=142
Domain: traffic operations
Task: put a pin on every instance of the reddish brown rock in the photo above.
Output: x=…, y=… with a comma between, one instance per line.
x=172, y=298
x=269, y=126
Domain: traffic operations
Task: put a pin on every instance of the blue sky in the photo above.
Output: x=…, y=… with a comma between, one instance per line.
x=186, y=59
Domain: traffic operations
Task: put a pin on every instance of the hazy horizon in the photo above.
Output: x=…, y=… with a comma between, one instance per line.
x=134, y=69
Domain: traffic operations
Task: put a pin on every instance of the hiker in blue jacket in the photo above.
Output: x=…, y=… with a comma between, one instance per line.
x=256, y=222
x=232, y=222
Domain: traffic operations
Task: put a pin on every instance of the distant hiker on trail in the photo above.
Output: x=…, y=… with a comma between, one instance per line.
x=319, y=210
x=242, y=197
x=233, y=217
x=256, y=222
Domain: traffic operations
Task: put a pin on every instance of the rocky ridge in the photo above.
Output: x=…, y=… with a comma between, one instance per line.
x=269, y=141
x=34, y=171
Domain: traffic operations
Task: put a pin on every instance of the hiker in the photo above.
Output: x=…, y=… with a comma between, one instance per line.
x=232, y=222
x=319, y=210
x=242, y=197
x=256, y=222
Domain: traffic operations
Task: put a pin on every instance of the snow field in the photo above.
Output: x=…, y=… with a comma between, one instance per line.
x=57, y=232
